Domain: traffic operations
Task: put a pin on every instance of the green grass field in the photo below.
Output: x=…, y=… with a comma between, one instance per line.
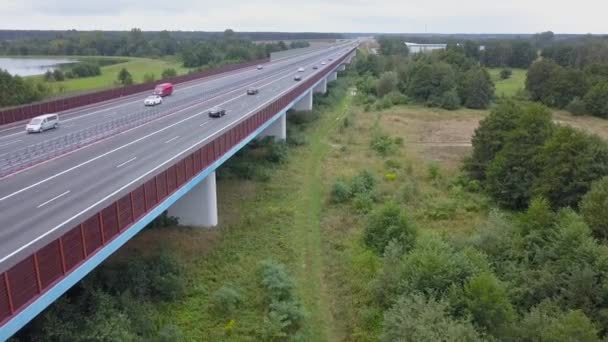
x=138, y=67
x=510, y=86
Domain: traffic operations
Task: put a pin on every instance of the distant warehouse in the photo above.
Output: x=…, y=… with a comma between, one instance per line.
x=418, y=48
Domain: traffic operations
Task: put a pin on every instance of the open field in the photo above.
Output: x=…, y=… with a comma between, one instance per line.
x=138, y=67
x=510, y=86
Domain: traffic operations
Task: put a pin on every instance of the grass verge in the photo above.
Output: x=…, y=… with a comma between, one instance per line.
x=510, y=86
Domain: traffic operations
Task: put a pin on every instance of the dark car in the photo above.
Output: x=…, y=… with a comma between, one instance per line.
x=315, y=67
x=252, y=91
x=297, y=78
x=217, y=112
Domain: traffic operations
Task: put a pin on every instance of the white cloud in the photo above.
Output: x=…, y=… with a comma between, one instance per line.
x=463, y=16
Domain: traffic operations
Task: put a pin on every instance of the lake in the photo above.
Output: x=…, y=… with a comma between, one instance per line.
x=25, y=66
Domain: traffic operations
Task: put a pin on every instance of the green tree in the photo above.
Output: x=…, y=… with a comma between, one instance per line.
x=511, y=175
x=388, y=223
x=538, y=78
x=386, y=84
x=593, y=208
x=485, y=297
x=596, y=100
x=392, y=46
x=477, y=88
x=546, y=322
x=506, y=73
x=417, y=319
x=491, y=136
x=124, y=77
x=570, y=161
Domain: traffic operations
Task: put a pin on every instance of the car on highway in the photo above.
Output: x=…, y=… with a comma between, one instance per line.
x=297, y=78
x=252, y=91
x=331, y=59
x=217, y=112
x=153, y=100
x=260, y=67
x=315, y=67
x=323, y=63
x=300, y=69
x=41, y=123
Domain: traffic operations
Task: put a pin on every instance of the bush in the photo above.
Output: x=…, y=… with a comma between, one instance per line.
x=276, y=281
x=278, y=152
x=169, y=72
x=363, y=203
x=418, y=319
x=341, y=191
x=386, y=224
x=124, y=77
x=577, y=107
x=225, y=300
x=593, y=208
x=149, y=77
x=363, y=183
x=409, y=190
x=383, y=144
x=506, y=73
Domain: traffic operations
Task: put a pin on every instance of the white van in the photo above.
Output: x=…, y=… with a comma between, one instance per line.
x=42, y=123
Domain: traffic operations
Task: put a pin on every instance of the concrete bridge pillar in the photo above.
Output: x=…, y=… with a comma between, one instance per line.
x=305, y=103
x=332, y=76
x=321, y=88
x=198, y=207
x=277, y=129
x=342, y=67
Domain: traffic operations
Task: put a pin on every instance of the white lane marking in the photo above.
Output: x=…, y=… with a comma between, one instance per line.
x=52, y=199
x=10, y=143
x=145, y=174
x=288, y=74
x=172, y=139
x=197, y=83
x=125, y=163
x=204, y=123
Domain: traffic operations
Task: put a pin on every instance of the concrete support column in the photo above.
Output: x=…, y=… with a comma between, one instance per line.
x=321, y=87
x=305, y=103
x=342, y=67
x=277, y=129
x=332, y=76
x=198, y=207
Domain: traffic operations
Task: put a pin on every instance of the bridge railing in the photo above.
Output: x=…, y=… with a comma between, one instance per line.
x=32, y=276
x=25, y=112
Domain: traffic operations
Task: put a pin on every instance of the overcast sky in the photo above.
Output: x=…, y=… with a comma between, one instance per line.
x=441, y=16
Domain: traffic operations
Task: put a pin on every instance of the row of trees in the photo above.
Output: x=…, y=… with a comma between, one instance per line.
x=447, y=79
x=520, y=154
x=77, y=71
x=15, y=90
x=579, y=90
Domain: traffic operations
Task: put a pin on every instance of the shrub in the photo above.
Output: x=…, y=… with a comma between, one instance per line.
x=169, y=72
x=124, y=77
x=383, y=144
x=277, y=282
x=409, y=189
x=434, y=172
x=388, y=223
x=506, y=73
x=225, y=300
x=290, y=313
x=149, y=77
x=418, y=319
x=363, y=183
x=577, y=107
x=278, y=152
x=363, y=203
x=341, y=191
x=476, y=89
x=593, y=208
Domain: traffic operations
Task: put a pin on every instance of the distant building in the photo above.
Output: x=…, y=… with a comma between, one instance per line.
x=418, y=48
